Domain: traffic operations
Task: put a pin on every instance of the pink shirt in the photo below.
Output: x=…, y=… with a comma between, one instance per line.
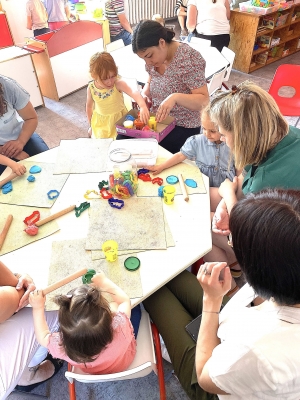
x=116, y=357
x=185, y=73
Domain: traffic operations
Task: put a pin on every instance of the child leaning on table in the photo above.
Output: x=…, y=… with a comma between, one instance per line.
x=95, y=335
x=105, y=103
x=209, y=152
x=17, y=168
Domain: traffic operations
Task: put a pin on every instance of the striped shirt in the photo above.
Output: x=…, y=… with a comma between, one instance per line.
x=180, y=3
x=112, y=9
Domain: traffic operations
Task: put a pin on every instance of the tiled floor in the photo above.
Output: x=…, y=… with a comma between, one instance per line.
x=66, y=120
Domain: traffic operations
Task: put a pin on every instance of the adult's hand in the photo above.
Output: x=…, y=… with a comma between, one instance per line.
x=227, y=187
x=12, y=148
x=25, y=282
x=165, y=108
x=220, y=221
x=215, y=279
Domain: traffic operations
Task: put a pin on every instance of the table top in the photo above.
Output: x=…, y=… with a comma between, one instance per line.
x=189, y=223
x=12, y=52
x=132, y=66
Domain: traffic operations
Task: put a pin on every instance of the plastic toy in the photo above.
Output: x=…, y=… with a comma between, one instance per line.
x=160, y=191
x=115, y=203
x=53, y=194
x=152, y=123
x=145, y=177
x=143, y=171
x=32, y=218
x=82, y=207
x=105, y=194
x=88, y=196
x=87, y=278
x=102, y=184
x=157, y=180
x=132, y=263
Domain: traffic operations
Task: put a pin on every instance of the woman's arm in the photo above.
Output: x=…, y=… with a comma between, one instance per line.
x=13, y=147
x=191, y=20
x=121, y=299
x=9, y=296
x=214, y=290
x=231, y=192
x=197, y=99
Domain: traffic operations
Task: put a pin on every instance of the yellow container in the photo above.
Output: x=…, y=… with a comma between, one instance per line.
x=169, y=194
x=152, y=123
x=110, y=250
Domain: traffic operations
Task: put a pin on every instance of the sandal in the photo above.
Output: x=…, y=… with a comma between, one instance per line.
x=36, y=372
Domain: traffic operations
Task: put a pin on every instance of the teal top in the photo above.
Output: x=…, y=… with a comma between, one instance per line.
x=280, y=169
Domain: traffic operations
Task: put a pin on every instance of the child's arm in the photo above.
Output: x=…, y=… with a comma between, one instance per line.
x=29, y=22
x=119, y=296
x=176, y=159
x=42, y=332
x=19, y=169
x=135, y=94
x=89, y=107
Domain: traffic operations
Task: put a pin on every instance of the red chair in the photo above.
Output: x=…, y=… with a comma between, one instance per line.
x=287, y=75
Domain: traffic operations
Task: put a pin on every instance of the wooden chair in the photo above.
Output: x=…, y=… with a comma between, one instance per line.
x=114, y=45
x=287, y=75
x=230, y=56
x=146, y=360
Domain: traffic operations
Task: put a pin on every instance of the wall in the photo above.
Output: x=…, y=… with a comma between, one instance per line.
x=16, y=15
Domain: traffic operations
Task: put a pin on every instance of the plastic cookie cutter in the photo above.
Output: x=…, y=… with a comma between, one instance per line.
x=158, y=180
x=87, y=278
x=143, y=171
x=102, y=184
x=83, y=206
x=33, y=218
x=105, y=194
x=191, y=183
x=145, y=177
x=172, y=179
x=52, y=194
x=88, y=192
x=115, y=203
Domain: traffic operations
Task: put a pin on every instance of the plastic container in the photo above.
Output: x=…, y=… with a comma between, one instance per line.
x=123, y=179
x=247, y=7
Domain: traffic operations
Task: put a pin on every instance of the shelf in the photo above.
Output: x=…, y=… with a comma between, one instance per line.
x=260, y=50
x=265, y=32
x=295, y=22
x=280, y=27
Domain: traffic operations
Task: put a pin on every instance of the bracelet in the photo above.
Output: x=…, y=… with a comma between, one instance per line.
x=212, y=312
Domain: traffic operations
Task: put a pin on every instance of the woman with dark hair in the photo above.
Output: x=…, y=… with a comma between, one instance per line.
x=17, y=138
x=176, y=85
x=242, y=352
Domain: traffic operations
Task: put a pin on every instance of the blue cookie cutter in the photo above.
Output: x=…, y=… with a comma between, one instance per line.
x=116, y=203
x=53, y=194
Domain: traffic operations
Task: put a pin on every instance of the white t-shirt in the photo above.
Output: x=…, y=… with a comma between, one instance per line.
x=259, y=354
x=211, y=17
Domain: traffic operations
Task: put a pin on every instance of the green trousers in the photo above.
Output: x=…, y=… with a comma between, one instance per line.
x=171, y=308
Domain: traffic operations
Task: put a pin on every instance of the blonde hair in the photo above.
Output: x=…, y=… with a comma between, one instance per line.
x=158, y=18
x=253, y=118
x=101, y=64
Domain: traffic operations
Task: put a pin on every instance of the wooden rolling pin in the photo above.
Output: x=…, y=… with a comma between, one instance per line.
x=183, y=188
x=5, y=230
x=7, y=179
x=64, y=281
x=54, y=216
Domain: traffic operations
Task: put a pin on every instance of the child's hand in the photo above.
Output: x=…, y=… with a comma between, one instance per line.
x=155, y=169
x=144, y=114
x=18, y=169
x=37, y=299
x=98, y=279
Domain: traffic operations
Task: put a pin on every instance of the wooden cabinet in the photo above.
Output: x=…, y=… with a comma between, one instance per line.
x=258, y=40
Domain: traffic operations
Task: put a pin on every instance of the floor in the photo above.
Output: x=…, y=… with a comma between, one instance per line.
x=66, y=120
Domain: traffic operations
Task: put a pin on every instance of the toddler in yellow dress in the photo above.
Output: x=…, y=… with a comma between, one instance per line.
x=105, y=103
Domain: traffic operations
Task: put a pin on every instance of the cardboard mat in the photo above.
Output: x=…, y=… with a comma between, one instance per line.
x=82, y=155
x=139, y=225
x=16, y=237
x=34, y=194
x=187, y=171
x=69, y=256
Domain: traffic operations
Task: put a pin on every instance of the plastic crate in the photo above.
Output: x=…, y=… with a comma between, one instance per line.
x=247, y=7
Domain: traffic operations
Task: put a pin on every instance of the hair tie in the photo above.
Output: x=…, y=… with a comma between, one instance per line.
x=234, y=90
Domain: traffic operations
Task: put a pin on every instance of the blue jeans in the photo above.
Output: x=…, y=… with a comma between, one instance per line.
x=124, y=35
x=135, y=319
x=35, y=145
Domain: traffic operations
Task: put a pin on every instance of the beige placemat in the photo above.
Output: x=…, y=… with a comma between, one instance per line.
x=82, y=155
x=98, y=254
x=69, y=256
x=187, y=171
x=16, y=237
x=139, y=225
x=34, y=194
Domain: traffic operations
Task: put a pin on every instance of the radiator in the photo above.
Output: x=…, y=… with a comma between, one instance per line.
x=144, y=9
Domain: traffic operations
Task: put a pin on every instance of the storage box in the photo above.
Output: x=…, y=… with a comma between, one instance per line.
x=281, y=20
x=247, y=7
x=163, y=128
x=269, y=22
x=275, y=41
x=264, y=41
x=261, y=58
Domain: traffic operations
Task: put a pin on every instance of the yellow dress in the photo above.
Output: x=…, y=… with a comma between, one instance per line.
x=109, y=107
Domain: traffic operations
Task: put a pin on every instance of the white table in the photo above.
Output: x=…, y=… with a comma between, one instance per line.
x=132, y=66
x=189, y=223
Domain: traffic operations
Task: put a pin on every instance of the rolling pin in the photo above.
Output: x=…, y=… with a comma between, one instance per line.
x=7, y=179
x=183, y=188
x=54, y=216
x=5, y=230
x=64, y=281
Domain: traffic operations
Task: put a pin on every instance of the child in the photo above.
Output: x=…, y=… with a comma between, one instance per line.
x=158, y=18
x=95, y=335
x=37, y=17
x=17, y=168
x=210, y=154
x=105, y=103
